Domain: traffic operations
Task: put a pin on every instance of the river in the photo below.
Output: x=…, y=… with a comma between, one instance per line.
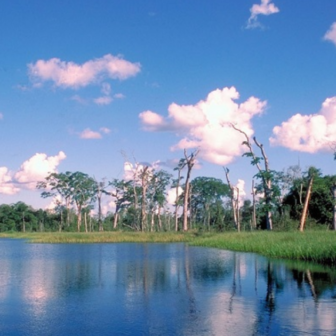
x=159, y=289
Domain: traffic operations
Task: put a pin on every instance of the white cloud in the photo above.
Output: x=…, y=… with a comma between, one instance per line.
x=308, y=133
x=105, y=130
x=72, y=75
x=104, y=100
x=240, y=186
x=118, y=96
x=264, y=8
x=88, y=134
x=1, y=116
x=37, y=168
x=331, y=34
x=171, y=195
x=207, y=124
x=6, y=185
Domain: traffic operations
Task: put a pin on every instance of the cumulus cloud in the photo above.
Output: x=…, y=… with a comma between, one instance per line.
x=71, y=75
x=37, y=168
x=266, y=7
x=105, y=130
x=6, y=182
x=331, y=34
x=308, y=133
x=207, y=124
x=171, y=195
x=89, y=134
x=240, y=191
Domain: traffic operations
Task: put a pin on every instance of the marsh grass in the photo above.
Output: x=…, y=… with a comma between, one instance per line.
x=101, y=237
x=313, y=246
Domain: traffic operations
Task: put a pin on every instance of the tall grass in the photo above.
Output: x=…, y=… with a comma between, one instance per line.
x=314, y=246
x=101, y=237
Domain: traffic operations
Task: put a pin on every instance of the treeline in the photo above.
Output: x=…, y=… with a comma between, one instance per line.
x=141, y=202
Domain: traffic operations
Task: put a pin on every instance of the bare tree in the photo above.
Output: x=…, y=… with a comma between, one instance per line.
x=234, y=195
x=311, y=174
x=190, y=162
x=264, y=174
x=182, y=163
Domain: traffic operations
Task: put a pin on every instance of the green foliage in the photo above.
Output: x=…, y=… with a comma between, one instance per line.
x=321, y=202
x=206, y=200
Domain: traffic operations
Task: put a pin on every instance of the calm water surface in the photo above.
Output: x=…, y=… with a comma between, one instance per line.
x=158, y=289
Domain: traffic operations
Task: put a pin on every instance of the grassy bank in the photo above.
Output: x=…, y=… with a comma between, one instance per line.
x=101, y=237
x=315, y=246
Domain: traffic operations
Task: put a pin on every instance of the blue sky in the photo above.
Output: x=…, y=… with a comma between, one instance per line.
x=84, y=82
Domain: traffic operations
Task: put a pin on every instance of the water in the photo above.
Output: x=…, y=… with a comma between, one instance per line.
x=158, y=289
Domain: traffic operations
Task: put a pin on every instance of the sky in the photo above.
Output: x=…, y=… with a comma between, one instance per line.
x=89, y=85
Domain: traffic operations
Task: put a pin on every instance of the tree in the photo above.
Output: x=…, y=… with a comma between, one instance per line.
x=321, y=202
x=58, y=184
x=190, y=162
x=311, y=174
x=83, y=192
x=234, y=196
x=176, y=184
x=206, y=193
x=157, y=187
x=122, y=192
x=265, y=174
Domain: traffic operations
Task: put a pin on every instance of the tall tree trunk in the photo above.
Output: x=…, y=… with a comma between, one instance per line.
x=79, y=217
x=144, y=183
x=159, y=217
x=115, y=218
x=152, y=219
x=85, y=222
x=100, y=223
x=234, y=201
x=306, y=203
x=177, y=197
x=23, y=223
x=190, y=161
x=254, y=216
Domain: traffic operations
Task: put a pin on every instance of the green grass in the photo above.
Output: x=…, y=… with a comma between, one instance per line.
x=314, y=246
x=100, y=237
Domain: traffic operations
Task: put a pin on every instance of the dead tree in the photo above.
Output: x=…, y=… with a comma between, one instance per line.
x=190, y=162
x=179, y=168
x=234, y=195
x=265, y=174
x=311, y=174
x=144, y=176
x=254, y=216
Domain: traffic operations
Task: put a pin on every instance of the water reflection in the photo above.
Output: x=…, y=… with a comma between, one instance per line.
x=159, y=289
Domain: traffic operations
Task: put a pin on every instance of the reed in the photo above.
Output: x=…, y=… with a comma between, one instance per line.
x=314, y=246
x=101, y=237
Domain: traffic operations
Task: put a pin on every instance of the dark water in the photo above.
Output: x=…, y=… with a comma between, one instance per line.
x=156, y=289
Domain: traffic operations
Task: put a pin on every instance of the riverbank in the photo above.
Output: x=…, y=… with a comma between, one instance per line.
x=314, y=246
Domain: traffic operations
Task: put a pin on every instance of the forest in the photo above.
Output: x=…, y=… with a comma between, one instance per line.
x=291, y=199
